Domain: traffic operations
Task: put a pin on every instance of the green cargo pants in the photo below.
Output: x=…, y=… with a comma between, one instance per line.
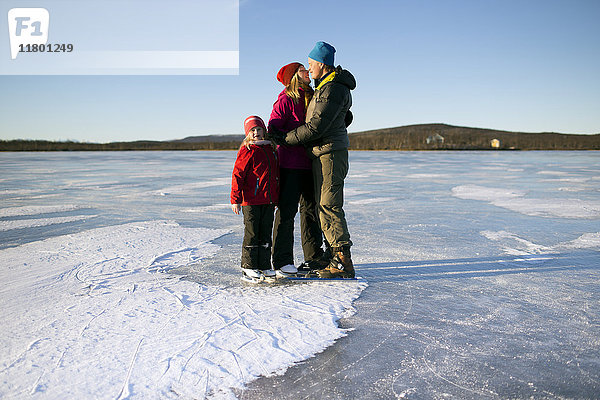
x=329, y=171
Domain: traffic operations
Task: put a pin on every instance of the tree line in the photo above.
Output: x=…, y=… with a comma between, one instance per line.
x=448, y=137
x=412, y=137
x=42, y=145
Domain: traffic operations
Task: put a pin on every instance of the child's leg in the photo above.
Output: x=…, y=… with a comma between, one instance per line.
x=266, y=230
x=250, y=244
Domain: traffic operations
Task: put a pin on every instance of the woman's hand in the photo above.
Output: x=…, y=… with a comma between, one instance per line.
x=236, y=208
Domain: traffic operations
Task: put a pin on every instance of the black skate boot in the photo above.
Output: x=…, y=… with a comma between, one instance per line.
x=312, y=266
x=309, y=268
x=340, y=266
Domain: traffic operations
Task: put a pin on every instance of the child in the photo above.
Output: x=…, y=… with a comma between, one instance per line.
x=255, y=191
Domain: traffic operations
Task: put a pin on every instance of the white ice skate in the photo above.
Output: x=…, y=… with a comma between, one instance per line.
x=269, y=275
x=252, y=275
x=286, y=271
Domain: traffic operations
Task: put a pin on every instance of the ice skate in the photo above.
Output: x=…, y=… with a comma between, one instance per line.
x=269, y=275
x=252, y=275
x=310, y=268
x=286, y=271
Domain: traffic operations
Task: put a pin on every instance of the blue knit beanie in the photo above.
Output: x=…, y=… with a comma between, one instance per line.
x=322, y=52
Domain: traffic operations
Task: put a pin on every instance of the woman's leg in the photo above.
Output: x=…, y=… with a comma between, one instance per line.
x=283, y=231
x=312, y=236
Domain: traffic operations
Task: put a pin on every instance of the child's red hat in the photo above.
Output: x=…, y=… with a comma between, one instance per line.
x=253, y=121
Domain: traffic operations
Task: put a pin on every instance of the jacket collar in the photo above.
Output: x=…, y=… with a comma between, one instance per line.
x=259, y=142
x=327, y=78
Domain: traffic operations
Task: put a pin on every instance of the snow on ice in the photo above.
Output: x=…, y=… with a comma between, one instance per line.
x=514, y=200
x=95, y=315
x=32, y=223
x=33, y=210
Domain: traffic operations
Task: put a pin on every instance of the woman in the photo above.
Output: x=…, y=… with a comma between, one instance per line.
x=296, y=178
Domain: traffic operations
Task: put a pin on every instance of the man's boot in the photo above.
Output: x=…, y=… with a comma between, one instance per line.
x=340, y=266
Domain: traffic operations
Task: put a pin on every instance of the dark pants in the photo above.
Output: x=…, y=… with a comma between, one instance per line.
x=258, y=227
x=296, y=186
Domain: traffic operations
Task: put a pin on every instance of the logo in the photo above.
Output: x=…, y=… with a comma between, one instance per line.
x=27, y=26
x=182, y=44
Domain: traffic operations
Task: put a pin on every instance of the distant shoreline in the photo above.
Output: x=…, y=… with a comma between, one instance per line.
x=351, y=150
x=423, y=137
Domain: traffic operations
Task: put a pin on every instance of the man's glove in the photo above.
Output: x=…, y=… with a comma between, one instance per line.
x=275, y=135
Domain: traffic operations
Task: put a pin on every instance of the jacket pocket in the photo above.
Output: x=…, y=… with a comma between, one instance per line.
x=256, y=189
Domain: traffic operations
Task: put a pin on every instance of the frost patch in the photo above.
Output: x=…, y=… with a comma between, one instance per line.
x=474, y=192
x=585, y=241
x=515, y=245
x=214, y=207
x=514, y=200
x=190, y=187
x=372, y=200
x=33, y=210
x=34, y=223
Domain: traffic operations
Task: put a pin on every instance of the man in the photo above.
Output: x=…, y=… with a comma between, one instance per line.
x=325, y=136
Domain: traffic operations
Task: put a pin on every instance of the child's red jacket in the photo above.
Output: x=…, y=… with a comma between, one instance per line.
x=255, y=179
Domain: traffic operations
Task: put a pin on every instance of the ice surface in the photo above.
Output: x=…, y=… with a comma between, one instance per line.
x=18, y=211
x=513, y=200
x=191, y=187
x=467, y=298
x=32, y=223
x=482, y=273
x=106, y=310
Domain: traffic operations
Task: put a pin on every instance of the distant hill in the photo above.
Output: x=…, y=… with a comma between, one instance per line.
x=448, y=137
x=411, y=137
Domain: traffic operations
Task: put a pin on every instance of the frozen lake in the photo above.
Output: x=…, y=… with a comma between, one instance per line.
x=480, y=280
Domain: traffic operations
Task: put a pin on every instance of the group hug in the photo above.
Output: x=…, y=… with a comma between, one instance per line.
x=298, y=161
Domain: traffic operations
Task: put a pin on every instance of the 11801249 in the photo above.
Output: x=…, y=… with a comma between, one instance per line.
x=46, y=48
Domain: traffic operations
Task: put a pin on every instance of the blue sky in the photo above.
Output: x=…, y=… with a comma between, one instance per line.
x=528, y=66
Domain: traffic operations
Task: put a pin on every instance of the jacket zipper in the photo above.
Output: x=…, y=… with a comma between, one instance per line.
x=256, y=189
x=269, y=176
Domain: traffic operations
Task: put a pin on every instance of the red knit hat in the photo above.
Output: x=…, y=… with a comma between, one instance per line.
x=286, y=72
x=253, y=121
